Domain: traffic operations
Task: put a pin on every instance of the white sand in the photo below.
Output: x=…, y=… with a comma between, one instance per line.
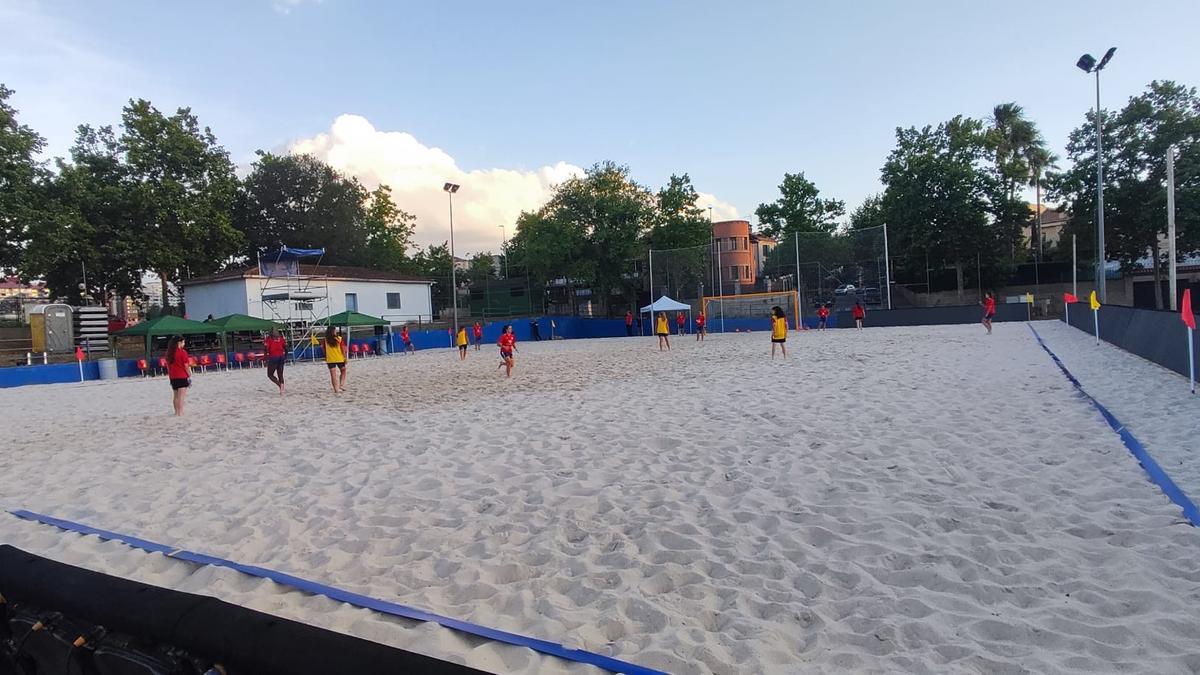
x=901, y=500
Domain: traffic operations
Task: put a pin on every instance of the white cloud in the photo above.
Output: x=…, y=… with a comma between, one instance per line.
x=286, y=6
x=721, y=210
x=488, y=199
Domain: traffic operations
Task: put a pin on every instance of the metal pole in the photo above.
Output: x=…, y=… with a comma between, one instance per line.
x=1096, y=319
x=1171, y=224
x=453, y=271
x=1074, y=270
x=504, y=249
x=720, y=273
x=1101, y=283
x=651, y=275
x=887, y=267
x=1191, y=360
x=799, y=311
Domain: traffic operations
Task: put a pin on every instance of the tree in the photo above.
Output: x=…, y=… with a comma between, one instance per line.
x=298, y=200
x=1040, y=160
x=89, y=220
x=20, y=177
x=799, y=209
x=1135, y=144
x=588, y=232
x=389, y=232
x=936, y=200
x=868, y=214
x=434, y=263
x=482, y=268
x=1014, y=141
x=183, y=190
x=681, y=232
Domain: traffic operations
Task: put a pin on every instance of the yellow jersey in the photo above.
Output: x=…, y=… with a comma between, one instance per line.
x=462, y=337
x=778, y=328
x=334, y=354
x=661, y=327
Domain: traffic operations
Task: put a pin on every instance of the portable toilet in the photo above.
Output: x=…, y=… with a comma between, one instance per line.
x=51, y=326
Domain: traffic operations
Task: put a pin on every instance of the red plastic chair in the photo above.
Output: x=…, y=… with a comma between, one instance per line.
x=162, y=365
x=143, y=366
x=222, y=362
x=258, y=358
x=353, y=350
x=205, y=362
x=240, y=358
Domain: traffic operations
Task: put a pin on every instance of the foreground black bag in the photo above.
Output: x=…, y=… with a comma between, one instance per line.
x=148, y=630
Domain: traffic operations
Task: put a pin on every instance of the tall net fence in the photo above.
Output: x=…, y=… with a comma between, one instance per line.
x=683, y=274
x=835, y=270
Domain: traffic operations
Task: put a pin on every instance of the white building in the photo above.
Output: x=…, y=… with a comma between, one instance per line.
x=320, y=290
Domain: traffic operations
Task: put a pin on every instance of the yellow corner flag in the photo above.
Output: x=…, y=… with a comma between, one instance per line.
x=1093, y=301
x=1029, y=298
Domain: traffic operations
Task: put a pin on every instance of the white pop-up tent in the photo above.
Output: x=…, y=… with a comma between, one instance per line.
x=665, y=304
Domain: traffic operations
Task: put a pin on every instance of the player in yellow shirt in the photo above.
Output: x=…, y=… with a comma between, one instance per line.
x=778, y=330
x=462, y=341
x=335, y=358
x=662, y=331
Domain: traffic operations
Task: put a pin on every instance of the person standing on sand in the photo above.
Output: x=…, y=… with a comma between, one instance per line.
x=663, y=331
x=335, y=358
x=989, y=311
x=461, y=341
x=860, y=313
x=700, y=320
x=535, y=331
x=508, y=345
x=478, y=334
x=779, y=329
x=276, y=347
x=822, y=316
x=681, y=323
x=628, y=323
x=178, y=372
x=406, y=339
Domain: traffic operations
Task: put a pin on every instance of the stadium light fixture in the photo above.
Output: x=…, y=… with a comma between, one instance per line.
x=1087, y=63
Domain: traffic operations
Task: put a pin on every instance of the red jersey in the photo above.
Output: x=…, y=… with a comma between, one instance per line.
x=628, y=318
x=700, y=320
x=859, y=312
x=679, y=319
x=478, y=331
x=177, y=364
x=507, y=341
x=989, y=305
x=404, y=335
x=823, y=312
x=275, y=346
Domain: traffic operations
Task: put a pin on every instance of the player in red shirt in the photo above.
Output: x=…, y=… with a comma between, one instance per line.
x=276, y=347
x=178, y=372
x=700, y=320
x=822, y=316
x=629, y=323
x=989, y=311
x=681, y=323
x=406, y=339
x=508, y=345
x=860, y=313
x=478, y=330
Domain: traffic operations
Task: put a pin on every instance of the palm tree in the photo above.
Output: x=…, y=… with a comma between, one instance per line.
x=1039, y=159
x=1011, y=135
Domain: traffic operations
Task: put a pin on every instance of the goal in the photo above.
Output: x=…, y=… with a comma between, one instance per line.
x=751, y=306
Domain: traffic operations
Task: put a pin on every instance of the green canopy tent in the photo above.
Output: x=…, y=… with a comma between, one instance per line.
x=350, y=320
x=170, y=325
x=241, y=323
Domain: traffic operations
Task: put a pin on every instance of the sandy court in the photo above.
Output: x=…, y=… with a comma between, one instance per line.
x=893, y=500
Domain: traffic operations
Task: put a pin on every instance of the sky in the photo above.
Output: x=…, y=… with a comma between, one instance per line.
x=509, y=99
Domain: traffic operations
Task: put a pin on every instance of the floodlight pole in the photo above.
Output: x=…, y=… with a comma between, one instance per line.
x=1101, y=280
x=799, y=311
x=887, y=268
x=450, y=189
x=720, y=271
x=1171, y=224
x=504, y=249
x=1074, y=270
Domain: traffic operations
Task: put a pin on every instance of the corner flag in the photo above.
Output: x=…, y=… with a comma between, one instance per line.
x=1186, y=310
x=1093, y=301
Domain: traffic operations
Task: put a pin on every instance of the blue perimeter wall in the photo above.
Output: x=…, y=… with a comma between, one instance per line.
x=568, y=327
x=1155, y=335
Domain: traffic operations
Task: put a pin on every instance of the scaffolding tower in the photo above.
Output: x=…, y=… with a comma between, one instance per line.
x=298, y=301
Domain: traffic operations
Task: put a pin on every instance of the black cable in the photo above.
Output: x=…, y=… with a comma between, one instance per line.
x=42, y=623
x=97, y=633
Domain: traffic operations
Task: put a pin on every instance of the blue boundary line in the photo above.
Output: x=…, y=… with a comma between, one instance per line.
x=1156, y=473
x=383, y=606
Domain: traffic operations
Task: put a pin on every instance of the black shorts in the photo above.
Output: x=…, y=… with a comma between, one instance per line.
x=662, y=334
x=276, y=361
x=339, y=364
x=779, y=341
x=181, y=382
x=505, y=355
x=989, y=316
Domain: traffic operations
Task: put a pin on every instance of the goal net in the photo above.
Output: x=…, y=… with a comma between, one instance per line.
x=756, y=306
